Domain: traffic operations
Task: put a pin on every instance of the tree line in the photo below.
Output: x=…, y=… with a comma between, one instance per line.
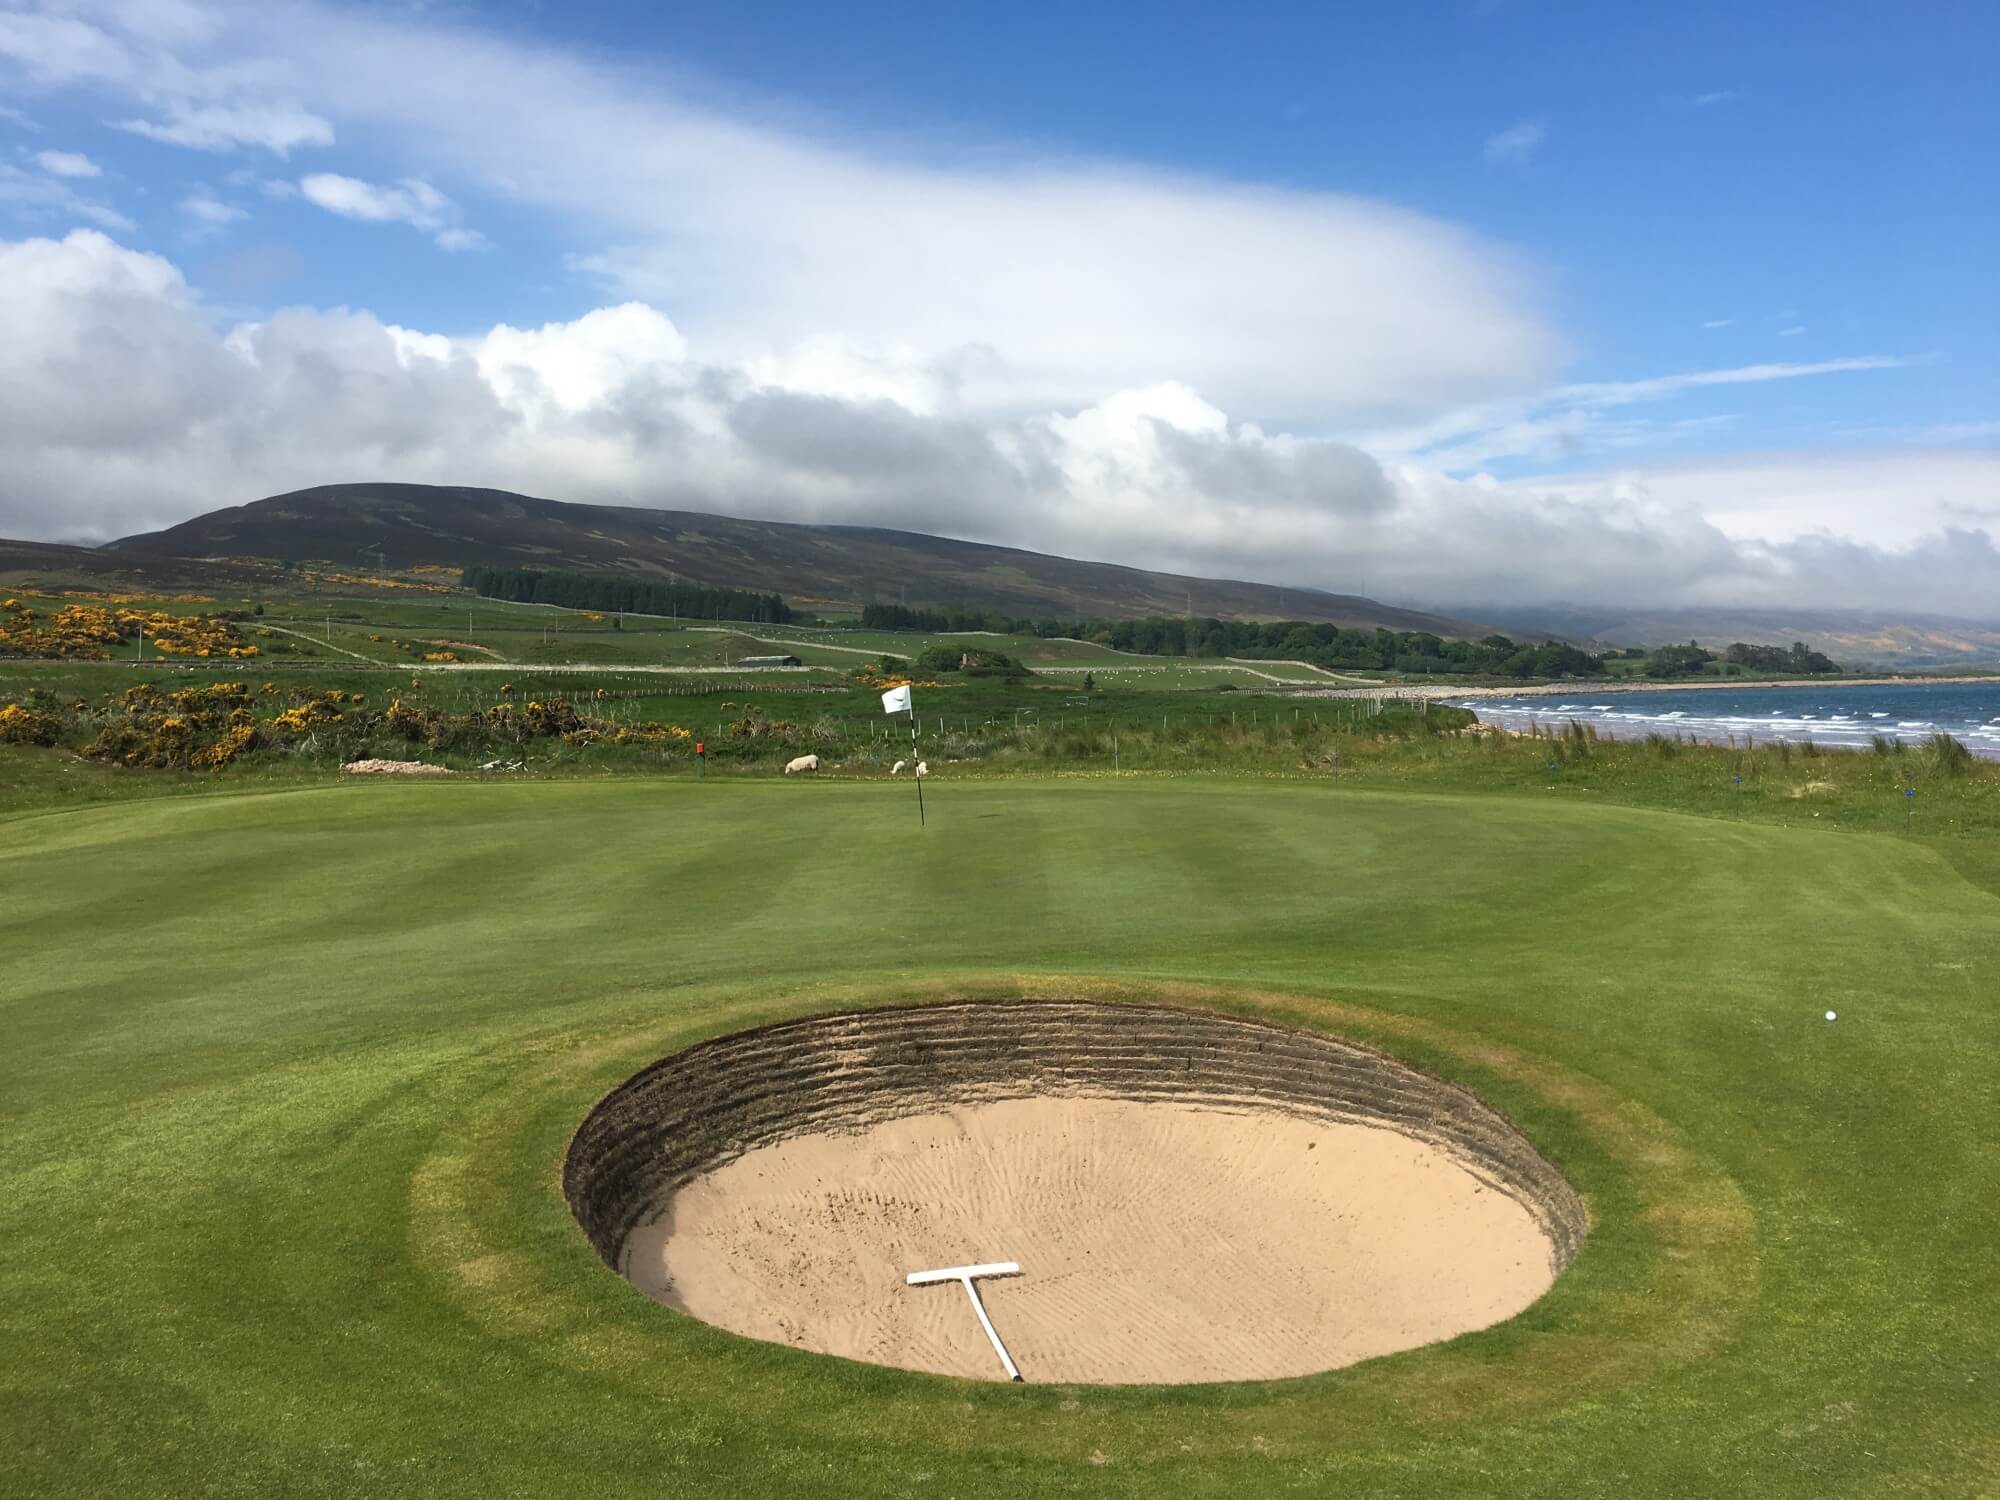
x=1691, y=660
x=1323, y=645
x=614, y=593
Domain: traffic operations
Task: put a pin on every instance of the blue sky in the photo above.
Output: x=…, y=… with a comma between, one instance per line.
x=1701, y=294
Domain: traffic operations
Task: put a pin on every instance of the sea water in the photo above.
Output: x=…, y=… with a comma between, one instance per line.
x=1833, y=716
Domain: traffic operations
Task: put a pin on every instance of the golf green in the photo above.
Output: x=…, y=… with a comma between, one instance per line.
x=287, y=1080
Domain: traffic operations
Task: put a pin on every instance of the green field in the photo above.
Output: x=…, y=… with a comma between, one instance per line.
x=405, y=629
x=289, y=1076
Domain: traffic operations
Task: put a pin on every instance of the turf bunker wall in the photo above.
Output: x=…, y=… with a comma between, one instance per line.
x=688, y=1114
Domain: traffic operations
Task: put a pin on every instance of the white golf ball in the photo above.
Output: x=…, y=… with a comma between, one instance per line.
x=1829, y=1015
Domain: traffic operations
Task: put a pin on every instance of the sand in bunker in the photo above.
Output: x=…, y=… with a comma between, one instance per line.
x=1159, y=1242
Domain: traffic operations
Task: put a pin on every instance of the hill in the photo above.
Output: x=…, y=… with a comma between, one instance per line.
x=133, y=567
x=398, y=526
x=1852, y=637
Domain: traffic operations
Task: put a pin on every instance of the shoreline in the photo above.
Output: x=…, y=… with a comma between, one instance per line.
x=1585, y=686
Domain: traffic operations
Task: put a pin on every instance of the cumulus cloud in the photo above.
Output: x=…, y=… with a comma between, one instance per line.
x=123, y=407
x=1039, y=281
x=67, y=164
x=1063, y=353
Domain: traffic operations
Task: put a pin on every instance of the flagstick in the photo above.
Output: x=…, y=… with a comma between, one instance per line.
x=918, y=776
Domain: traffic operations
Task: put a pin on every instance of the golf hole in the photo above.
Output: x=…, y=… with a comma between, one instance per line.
x=1189, y=1196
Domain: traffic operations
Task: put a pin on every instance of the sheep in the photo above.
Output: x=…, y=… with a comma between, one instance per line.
x=803, y=763
x=923, y=768
x=897, y=768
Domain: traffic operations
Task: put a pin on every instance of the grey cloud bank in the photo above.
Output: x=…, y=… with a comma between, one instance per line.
x=1071, y=355
x=124, y=408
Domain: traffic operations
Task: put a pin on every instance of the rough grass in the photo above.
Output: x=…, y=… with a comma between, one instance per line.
x=288, y=1078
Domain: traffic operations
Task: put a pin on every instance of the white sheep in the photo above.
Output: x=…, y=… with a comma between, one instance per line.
x=897, y=768
x=803, y=763
x=923, y=768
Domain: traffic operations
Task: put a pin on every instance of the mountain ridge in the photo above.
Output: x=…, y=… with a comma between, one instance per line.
x=828, y=567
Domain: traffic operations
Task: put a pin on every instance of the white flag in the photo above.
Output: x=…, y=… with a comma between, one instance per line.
x=897, y=700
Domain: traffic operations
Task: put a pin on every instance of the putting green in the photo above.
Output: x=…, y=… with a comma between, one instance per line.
x=288, y=1078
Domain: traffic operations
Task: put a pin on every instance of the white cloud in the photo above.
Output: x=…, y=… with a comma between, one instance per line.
x=567, y=368
x=1874, y=497
x=1962, y=432
x=67, y=164
x=1064, y=353
x=57, y=48
x=35, y=197
x=1791, y=333
x=208, y=210
x=1517, y=143
x=275, y=127
x=1718, y=323
x=153, y=50
x=1622, y=392
x=122, y=408
x=1555, y=425
x=411, y=202
x=1718, y=96
x=1047, y=281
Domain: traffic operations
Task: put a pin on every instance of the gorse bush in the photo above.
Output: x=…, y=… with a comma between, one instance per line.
x=88, y=632
x=210, y=726
x=20, y=725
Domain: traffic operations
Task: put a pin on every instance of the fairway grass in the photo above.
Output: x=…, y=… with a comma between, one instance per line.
x=289, y=1075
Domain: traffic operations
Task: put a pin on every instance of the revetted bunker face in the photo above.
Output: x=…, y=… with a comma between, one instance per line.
x=680, y=1122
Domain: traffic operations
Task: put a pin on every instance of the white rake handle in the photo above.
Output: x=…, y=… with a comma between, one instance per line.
x=966, y=1275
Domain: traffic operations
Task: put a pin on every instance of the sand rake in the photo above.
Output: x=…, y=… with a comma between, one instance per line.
x=968, y=1275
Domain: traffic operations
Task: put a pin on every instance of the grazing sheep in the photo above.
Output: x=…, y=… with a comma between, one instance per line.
x=803, y=763
x=923, y=768
x=897, y=768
